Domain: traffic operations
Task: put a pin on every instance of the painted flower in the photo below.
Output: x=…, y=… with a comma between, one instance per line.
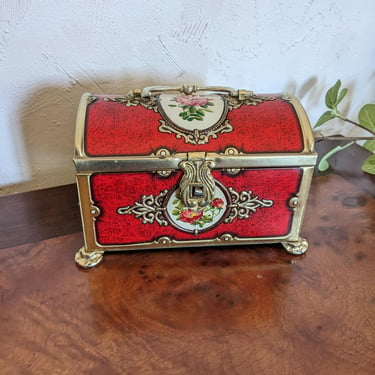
x=192, y=100
x=217, y=202
x=193, y=107
x=189, y=216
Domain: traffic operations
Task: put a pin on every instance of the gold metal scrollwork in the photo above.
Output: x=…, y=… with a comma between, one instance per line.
x=133, y=99
x=244, y=204
x=195, y=137
x=91, y=99
x=197, y=186
x=249, y=99
x=149, y=97
x=150, y=209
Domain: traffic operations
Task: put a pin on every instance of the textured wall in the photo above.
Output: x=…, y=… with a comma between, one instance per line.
x=51, y=52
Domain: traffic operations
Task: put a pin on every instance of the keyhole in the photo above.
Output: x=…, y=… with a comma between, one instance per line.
x=197, y=191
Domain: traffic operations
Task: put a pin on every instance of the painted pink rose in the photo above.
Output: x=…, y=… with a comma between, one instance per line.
x=192, y=100
x=189, y=216
x=217, y=202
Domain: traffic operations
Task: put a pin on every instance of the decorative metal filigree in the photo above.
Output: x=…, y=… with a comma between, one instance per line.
x=197, y=186
x=132, y=100
x=244, y=204
x=286, y=97
x=250, y=99
x=153, y=208
x=196, y=137
x=91, y=99
x=150, y=209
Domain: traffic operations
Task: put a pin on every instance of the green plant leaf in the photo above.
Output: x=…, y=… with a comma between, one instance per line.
x=172, y=105
x=366, y=117
x=331, y=96
x=323, y=164
x=369, y=165
x=210, y=103
x=342, y=94
x=370, y=145
x=326, y=116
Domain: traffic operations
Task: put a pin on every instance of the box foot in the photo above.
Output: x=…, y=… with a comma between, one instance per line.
x=88, y=259
x=296, y=247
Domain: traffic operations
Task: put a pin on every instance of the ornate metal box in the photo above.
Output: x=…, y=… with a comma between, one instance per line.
x=184, y=166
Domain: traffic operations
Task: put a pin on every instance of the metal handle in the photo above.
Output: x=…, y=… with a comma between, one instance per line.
x=191, y=89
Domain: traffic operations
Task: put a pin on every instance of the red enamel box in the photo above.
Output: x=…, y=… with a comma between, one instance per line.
x=191, y=166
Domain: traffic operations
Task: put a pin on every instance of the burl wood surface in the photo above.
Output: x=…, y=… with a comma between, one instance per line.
x=231, y=310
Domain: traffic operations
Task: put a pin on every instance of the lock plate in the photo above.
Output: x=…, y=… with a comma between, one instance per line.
x=197, y=186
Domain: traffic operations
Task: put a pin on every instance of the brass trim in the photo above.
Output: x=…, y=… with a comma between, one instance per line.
x=299, y=209
x=166, y=242
x=195, y=137
x=222, y=161
x=79, y=139
x=88, y=214
x=308, y=136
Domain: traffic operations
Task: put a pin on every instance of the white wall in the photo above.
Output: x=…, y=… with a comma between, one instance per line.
x=53, y=51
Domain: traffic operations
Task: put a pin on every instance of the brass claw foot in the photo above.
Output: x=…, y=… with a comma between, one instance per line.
x=296, y=247
x=87, y=259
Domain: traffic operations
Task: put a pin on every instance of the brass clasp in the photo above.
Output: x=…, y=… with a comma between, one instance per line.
x=197, y=186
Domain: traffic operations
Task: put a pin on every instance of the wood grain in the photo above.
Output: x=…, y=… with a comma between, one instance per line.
x=38, y=215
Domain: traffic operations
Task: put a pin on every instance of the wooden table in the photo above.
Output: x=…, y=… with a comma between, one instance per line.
x=235, y=310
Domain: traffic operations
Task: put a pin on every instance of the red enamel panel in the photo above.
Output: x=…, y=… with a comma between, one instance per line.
x=114, y=129
x=113, y=190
